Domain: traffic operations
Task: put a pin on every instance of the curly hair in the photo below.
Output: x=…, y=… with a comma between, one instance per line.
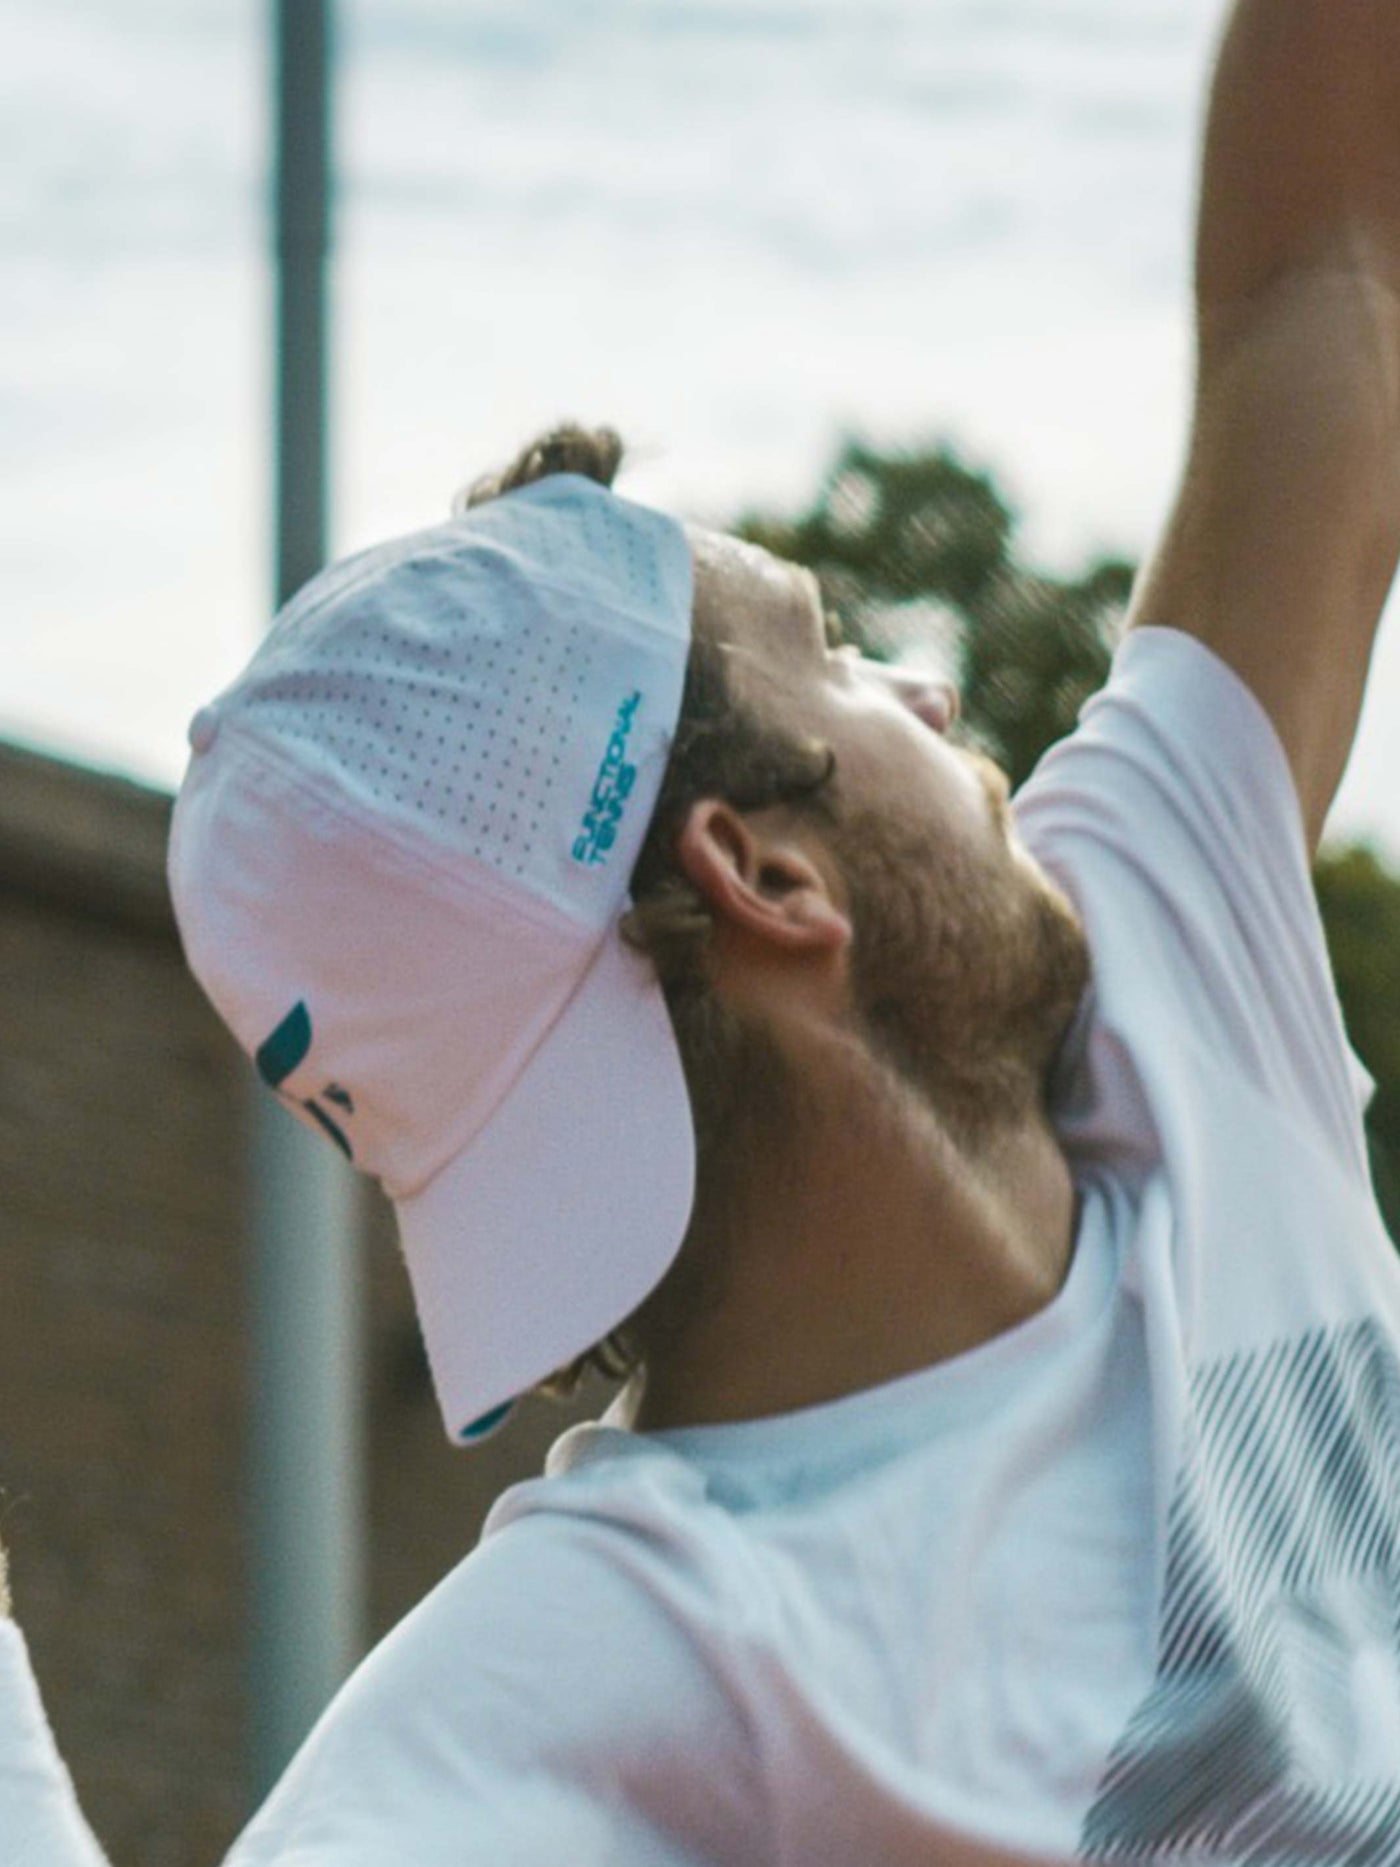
x=721, y=749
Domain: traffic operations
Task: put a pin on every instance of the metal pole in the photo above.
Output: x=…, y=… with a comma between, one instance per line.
x=306, y=1215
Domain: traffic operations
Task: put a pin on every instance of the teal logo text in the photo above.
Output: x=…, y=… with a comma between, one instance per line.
x=611, y=789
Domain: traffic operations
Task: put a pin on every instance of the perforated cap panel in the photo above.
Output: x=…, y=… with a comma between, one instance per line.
x=464, y=684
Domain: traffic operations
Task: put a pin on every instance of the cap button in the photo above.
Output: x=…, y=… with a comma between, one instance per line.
x=204, y=728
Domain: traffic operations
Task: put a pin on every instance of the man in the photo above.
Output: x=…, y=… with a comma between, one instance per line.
x=1010, y=1468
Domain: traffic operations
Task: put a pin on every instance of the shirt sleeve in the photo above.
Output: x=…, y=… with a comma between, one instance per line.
x=41, y=1824
x=1170, y=817
x=562, y=1694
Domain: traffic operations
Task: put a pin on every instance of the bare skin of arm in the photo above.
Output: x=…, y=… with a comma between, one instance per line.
x=1285, y=534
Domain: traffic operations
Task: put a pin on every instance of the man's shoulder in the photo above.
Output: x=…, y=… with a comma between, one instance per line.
x=1174, y=743
x=1171, y=818
x=1167, y=681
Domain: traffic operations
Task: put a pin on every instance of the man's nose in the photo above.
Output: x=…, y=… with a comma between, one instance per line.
x=929, y=697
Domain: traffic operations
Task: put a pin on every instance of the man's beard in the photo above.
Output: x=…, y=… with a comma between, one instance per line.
x=966, y=973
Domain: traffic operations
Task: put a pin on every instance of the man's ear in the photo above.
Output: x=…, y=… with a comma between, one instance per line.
x=762, y=883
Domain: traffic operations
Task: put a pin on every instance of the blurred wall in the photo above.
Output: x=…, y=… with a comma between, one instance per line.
x=123, y=1333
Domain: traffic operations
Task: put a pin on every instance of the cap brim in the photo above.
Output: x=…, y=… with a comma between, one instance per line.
x=567, y=1208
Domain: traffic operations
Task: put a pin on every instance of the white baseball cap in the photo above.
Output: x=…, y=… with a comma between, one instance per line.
x=398, y=859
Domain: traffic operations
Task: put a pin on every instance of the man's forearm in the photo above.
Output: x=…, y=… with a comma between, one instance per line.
x=1302, y=154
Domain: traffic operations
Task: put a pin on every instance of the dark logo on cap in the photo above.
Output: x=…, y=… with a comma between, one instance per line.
x=288, y=1046
x=611, y=789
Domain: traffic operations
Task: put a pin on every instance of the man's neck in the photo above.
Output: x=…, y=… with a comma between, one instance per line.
x=879, y=1248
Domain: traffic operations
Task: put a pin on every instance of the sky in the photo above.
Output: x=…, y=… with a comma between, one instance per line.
x=736, y=230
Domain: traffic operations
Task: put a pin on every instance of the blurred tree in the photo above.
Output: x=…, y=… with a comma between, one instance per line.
x=914, y=550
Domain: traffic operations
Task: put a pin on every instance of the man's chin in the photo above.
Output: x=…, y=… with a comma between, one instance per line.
x=1067, y=963
x=996, y=787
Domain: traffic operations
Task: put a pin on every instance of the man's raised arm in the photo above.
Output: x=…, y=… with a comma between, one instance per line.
x=1285, y=533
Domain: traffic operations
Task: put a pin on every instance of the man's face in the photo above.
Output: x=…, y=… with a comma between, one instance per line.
x=967, y=962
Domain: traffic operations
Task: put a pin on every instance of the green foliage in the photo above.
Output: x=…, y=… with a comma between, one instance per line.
x=914, y=550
